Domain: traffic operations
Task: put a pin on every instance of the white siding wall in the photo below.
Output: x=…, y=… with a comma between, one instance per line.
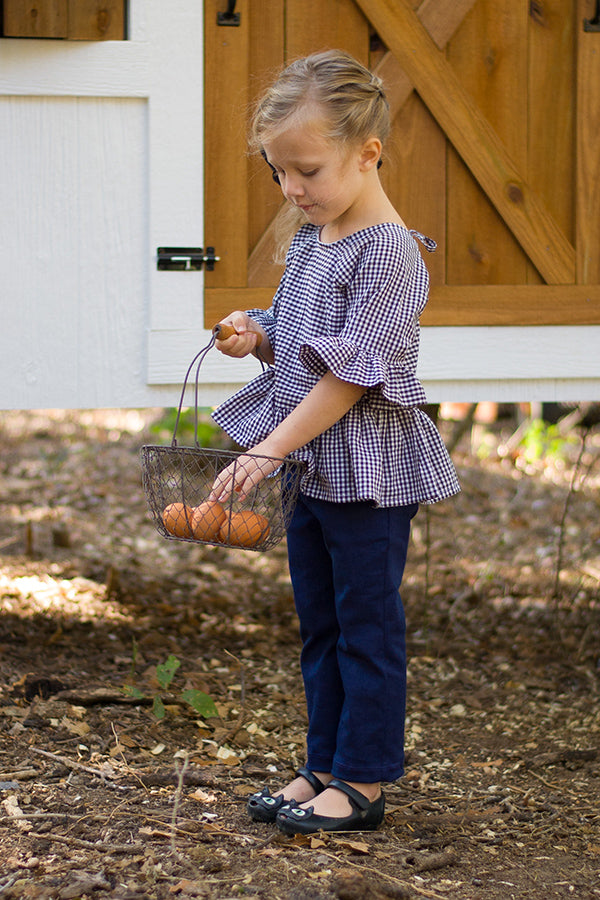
x=101, y=161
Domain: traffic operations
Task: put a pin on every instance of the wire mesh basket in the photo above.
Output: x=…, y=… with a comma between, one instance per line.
x=178, y=482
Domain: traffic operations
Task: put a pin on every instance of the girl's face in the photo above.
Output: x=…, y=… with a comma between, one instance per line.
x=323, y=179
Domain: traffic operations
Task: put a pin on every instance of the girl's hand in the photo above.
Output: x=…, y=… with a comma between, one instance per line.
x=241, y=476
x=248, y=334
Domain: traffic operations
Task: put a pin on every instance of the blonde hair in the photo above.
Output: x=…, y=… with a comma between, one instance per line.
x=350, y=98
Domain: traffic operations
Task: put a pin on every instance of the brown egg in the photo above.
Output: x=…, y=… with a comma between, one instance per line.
x=244, y=529
x=177, y=518
x=207, y=520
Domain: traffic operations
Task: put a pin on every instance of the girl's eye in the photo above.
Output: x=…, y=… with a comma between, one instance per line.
x=308, y=174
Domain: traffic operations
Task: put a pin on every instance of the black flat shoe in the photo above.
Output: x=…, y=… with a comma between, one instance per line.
x=262, y=807
x=366, y=816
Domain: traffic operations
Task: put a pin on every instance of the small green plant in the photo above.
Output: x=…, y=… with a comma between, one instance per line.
x=202, y=703
x=544, y=441
x=208, y=434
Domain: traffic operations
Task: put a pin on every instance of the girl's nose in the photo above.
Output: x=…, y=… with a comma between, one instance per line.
x=292, y=187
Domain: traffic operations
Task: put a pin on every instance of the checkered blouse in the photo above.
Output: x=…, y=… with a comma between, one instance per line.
x=351, y=307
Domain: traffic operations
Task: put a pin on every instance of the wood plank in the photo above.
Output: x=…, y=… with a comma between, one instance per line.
x=474, y=138
x=489, y=56
x=523, y=305
x=414, y=177
x=588, y=158
x=262, y=270
x=96, y=20
x=226, y=52
x=218, y=302
x=460, y=305
x=266, y=56
x=441, y=18
x=312, y=25
x=417, y=144
x=551, y=117
x=40, y=19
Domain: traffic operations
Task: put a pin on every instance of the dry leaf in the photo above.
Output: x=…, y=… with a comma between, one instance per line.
x=354, y=846
x=243, y=790
x=78, y=728
x=227, y=756
x=202, y=796
x=315, y=843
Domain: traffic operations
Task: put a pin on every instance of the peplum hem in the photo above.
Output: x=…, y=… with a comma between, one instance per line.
x=391, y=456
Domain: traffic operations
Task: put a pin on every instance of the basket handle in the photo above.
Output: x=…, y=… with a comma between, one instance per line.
x=220, y=332
x=223, y=330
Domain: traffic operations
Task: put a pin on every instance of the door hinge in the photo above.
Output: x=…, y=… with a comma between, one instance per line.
x=185, y=259
x=230, y=17
x=594, y=23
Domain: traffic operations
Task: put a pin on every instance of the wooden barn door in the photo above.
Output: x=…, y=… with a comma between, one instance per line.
x=494, y=150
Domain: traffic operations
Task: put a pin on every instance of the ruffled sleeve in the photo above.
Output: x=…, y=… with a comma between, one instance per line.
x=398, y=383
x=378, y=343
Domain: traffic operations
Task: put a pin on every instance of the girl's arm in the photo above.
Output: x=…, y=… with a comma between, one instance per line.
x=249, y=335
x=323, y=406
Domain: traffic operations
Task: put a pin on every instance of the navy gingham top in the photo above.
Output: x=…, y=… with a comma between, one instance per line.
x=351, y=307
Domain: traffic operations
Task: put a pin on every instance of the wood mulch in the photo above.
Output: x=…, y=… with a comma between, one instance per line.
x=99, y=798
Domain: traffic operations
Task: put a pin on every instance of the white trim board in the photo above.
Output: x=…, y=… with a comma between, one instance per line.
x=550, y=363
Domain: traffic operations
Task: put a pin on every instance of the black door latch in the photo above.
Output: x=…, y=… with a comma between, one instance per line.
x=185, y=259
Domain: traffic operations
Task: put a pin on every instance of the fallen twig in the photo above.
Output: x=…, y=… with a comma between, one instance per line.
x=164, y=779
x=562, y=756
x=433, y=861
x=408, y=887
x=99, y=846
x=181, y=770
x=19, y=775
x=101, y=697
x=72, y=764
x=563, y=521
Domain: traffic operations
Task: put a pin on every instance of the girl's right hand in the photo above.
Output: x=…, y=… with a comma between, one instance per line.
x=248, y=334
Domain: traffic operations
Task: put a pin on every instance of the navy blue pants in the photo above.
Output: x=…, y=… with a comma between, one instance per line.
x=346, y=565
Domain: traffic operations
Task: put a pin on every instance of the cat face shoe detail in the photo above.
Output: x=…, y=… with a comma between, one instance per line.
x=262, y=807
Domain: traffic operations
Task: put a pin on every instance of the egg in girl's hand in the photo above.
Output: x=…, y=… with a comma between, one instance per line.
x=207, y=520
x=177, y=519
x=244, y=529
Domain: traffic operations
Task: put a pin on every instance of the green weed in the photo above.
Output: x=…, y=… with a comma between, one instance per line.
x=208, y=434
x=545, y=441
x=202, y=703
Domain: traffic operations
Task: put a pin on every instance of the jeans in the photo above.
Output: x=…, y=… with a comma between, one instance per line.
x=346, y=565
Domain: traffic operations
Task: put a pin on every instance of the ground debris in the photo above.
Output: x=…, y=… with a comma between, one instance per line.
x=500, y=796
x=367, y=887
x=563, y=757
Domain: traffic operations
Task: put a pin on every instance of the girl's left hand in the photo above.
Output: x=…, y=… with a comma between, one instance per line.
x=242, y=475
x=246, y=337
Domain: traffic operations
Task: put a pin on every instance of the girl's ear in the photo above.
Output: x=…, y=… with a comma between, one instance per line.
x=370, y=154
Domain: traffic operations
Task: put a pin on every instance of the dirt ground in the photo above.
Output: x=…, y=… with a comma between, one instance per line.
x=100, y=798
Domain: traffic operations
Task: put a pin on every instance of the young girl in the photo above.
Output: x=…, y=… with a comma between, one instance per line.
x=342, y=395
